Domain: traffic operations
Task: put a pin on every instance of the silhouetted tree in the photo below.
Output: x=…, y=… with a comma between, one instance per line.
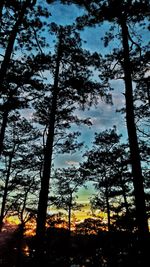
x=72, y=86
x=106, y=166
x=67, y=184
x=17, y=76
x=18, y=162
x=12, y=38
x=124, y=14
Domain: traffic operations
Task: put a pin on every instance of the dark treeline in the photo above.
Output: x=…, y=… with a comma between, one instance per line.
x=45, y=86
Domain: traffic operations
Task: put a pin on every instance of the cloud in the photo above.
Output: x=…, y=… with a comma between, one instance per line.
x=71, y=162
x=67, y=160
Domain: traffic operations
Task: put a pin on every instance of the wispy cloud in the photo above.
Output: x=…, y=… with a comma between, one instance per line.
x=71, y=162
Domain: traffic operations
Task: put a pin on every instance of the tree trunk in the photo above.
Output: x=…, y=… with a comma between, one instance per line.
x=3, y=128
x=2, y=2
x=43, y=197
x=122, y=183
x=69, y=215
x=4, y=198
x=125, y=198
x=19, y=245
x=108, y=208
x=11, y=41
x=141, y=218
x=148, y=92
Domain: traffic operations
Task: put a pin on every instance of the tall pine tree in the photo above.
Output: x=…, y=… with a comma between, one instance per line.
x=124, y=14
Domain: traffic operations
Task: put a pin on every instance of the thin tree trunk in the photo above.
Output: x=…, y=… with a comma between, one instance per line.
x=125, y=198
x=6, y=108
x=148, y=92
x=4, y=198
x=124, y=191
x=141, y=218
x=108, y=208
x=69, y=218
x=69, y=215
x=45, y=179
x=3, y=128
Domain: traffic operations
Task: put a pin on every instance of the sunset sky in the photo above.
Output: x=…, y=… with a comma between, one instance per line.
x=102, y=116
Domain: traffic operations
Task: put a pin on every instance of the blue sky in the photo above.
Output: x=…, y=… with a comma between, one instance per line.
x=103, y=116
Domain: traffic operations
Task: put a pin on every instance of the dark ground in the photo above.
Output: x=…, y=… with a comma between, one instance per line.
x=107, y=249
